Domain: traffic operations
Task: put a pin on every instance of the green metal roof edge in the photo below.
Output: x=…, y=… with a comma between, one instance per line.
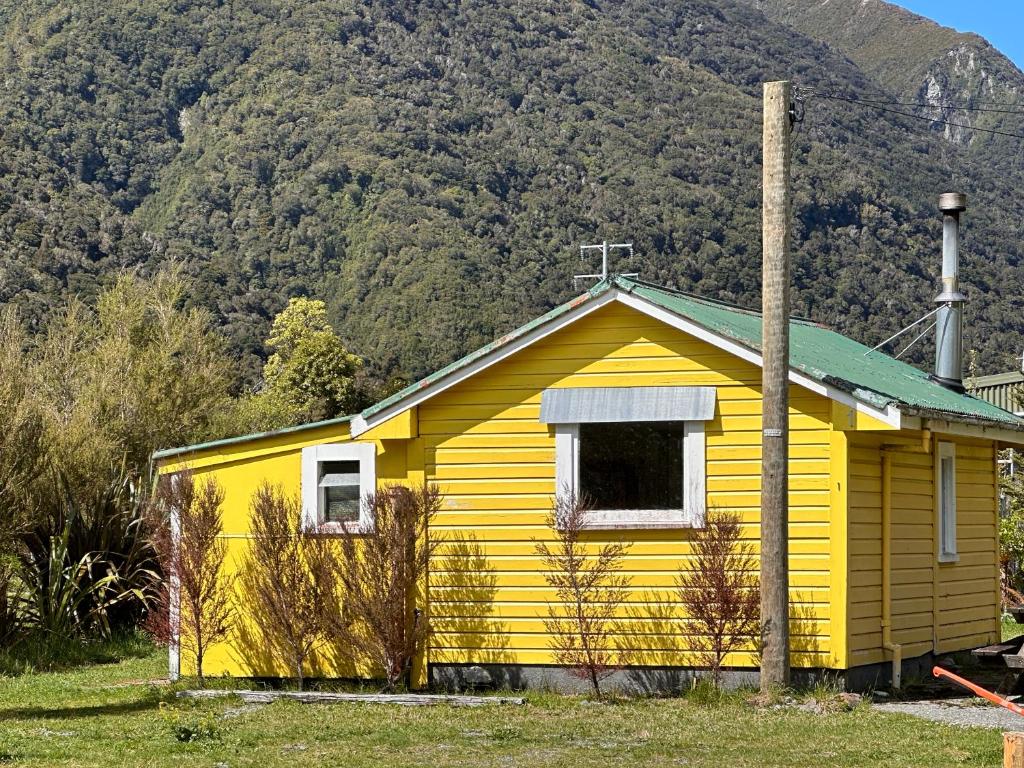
x=602, y=287
x=165, y=453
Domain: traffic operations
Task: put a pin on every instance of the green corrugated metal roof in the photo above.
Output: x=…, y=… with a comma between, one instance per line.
x=166, y=453
x=831, y=358
x=821, y=354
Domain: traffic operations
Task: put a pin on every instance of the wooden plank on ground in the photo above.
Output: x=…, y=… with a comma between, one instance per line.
x=316, y=697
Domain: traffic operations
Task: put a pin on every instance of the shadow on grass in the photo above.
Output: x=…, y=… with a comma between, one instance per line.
x=42, y=653
x=72, y=713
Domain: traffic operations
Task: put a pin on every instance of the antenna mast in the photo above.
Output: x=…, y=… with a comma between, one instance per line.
x=604, y=247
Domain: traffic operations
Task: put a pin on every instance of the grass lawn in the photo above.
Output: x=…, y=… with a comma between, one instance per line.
x=107, y=715
x=1011, y=628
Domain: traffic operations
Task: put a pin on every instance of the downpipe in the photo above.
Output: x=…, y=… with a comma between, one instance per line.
x=895, y=649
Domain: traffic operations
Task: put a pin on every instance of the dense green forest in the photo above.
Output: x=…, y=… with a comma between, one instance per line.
x=428, y=169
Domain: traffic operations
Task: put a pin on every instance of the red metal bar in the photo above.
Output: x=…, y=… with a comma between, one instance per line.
x=979, y=691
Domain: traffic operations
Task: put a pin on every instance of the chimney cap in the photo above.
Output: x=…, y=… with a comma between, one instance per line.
x=952, y=202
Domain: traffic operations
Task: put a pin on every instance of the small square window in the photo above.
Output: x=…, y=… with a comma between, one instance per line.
x=339, y=484
x=336, y=478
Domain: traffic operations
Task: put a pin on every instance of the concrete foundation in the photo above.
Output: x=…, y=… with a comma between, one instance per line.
x=634, y=681
x=659, y=681
x=876, y=676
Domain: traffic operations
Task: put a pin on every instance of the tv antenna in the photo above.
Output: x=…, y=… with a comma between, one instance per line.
x=604, y=247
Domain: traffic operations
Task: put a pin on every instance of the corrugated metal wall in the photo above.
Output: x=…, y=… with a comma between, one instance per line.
x=1004, y=390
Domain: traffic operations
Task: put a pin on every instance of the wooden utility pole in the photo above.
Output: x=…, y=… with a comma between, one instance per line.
x=775, y=387
x=1013, y=750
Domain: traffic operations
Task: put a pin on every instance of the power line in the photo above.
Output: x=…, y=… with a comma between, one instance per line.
x=1017, y=110
x=965, y=126
x=886, y=97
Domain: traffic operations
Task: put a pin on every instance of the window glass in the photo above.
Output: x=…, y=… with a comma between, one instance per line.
x=339, y=482
x=948, y=504
x=632, y=466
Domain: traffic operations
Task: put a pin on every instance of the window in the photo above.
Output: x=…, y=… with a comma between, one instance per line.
x=336, y=479
x=632, y=466
x=945, y=484
x=340, y=497
x=637, y=453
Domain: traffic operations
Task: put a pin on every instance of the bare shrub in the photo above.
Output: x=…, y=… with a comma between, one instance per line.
x=720, y=592
x=186, y=521
x=383, y=573
x=289, y=574
x=589, y=591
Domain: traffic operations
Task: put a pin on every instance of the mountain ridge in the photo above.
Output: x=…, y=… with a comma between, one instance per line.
x=912, y=57
x=430, y=168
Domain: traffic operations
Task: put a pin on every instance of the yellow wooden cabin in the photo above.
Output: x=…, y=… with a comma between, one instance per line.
x=893, y=486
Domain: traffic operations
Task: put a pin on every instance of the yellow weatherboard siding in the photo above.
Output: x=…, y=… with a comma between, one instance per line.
x=959, y=595
x=482, y=443
x=241, y=469
x=495, y=464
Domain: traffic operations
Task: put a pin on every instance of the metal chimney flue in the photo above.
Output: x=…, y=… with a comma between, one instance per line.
x=949, y=358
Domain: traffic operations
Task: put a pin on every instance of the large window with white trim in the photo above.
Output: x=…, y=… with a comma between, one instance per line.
x=336, y=479
x=945, y=489
x=636, y=454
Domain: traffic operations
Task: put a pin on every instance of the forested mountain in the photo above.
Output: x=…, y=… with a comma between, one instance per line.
x=933, y=68
x=429, y=168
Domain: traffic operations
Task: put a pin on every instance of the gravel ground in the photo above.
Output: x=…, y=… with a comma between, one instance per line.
x=970, y=712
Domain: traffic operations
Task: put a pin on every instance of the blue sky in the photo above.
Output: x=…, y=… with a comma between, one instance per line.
x=1001, y=22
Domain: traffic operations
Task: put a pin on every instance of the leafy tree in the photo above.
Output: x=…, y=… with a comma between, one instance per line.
x=89, y=401
x=310, y=371
x=1011, y=529
x=21, y=433
x=137, y=373
x=21, y=462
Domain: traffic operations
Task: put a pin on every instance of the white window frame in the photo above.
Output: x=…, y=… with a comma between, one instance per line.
x=567, y=480
x=313, y=497
x=945, y=508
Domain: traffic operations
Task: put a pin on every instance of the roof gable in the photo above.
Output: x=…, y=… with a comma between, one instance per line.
x=820, y=359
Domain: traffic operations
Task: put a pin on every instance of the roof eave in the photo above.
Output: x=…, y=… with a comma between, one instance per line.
x=168, y=453
x=964, y=418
